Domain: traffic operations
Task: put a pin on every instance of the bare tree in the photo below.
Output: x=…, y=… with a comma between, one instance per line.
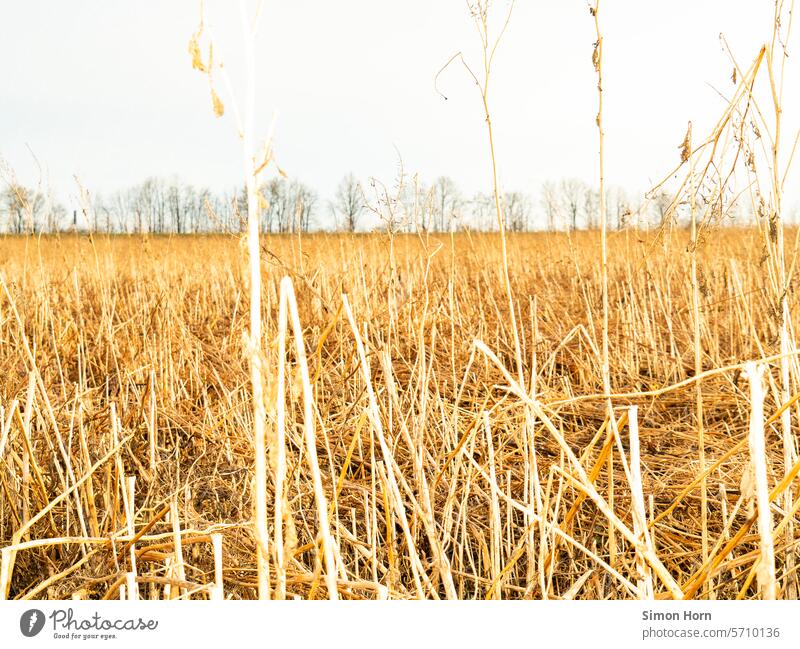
x=591, y=206
x=305, y=202
x=275, y=207
x=289, y=205
x=119, y=206
x=572, y=193
x=102, y=212
x=349, y=202
x=56, y=215
x=618, y=206
x=484, y=214
x=192, y=208
x=517, y=207
x=148, y=200
x=551, y=205
x=24, y=207
x=661, y=202
x=174, y=200
x=445, y=200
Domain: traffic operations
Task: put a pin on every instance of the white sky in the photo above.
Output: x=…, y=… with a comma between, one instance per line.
x=105, y=90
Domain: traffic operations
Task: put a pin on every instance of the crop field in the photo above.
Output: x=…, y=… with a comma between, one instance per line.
x=423, y=440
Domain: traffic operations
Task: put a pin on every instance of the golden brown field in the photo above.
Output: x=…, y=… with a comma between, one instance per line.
x=126, y=450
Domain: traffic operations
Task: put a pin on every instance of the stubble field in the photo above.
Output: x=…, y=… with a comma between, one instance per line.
x=446, y=465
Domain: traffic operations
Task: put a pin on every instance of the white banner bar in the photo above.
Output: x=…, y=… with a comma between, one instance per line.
x=399, y=624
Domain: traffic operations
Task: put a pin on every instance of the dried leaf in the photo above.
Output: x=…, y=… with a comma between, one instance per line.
x=219, y=107
x=194, y=50
x=263, y=203
x=266, y=156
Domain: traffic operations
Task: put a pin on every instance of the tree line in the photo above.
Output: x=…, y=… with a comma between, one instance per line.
x=169, y=205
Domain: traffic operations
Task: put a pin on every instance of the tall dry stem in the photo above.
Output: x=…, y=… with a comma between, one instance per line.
x=766, y=569
x=640, y=527
x=697, y=344
x=249, y=29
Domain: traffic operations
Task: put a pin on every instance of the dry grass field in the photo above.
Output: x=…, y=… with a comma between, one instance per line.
x=410, y=453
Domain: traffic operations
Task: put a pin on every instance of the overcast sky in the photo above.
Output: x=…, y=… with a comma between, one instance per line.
x=105, y=90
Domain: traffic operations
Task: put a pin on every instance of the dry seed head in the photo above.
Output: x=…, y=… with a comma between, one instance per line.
x=773, y=227
x=686, y=145
x=703, y=283
x=761, y=208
